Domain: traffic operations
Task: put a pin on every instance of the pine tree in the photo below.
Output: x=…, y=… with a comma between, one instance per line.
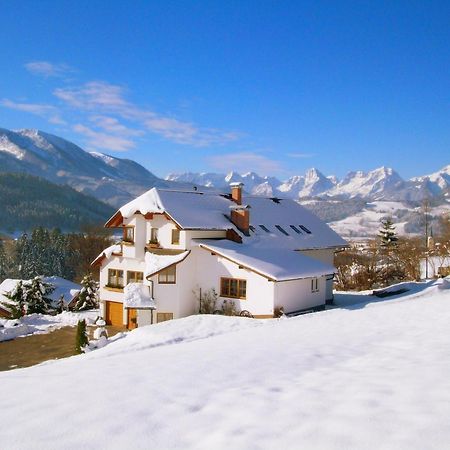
x=17, y=301
x=4, y=263
x=88, y=296
x=36, y=292
x=81, y=337
x=60, y=305
x=388, y=236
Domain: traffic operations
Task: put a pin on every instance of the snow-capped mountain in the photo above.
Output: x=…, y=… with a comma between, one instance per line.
x=110, y=179
x=383, y=183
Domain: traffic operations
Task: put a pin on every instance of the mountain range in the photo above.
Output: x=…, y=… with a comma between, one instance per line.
x=348, y=204
x=383, y=183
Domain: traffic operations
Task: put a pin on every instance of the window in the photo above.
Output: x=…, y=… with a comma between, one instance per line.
x=251, y=228
x=233, y=288
x=154, y=236
x=134, y=277
x=264, y=228
x=167, y=276
x=115, y=278
x=295, y=229
x=282, y=230
x=314, y=285
x=128, y=234
x=175, y=236
x=305, y=229
x=162, y=317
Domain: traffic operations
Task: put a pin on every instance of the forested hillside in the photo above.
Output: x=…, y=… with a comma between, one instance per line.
x=28, y=202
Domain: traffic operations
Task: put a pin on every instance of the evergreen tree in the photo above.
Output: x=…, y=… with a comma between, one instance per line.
x=36, y=292
x=17, y=305
x=4, y=263
x=387, y=235
x=60, y=305
x=88, y=296
x=81, y=337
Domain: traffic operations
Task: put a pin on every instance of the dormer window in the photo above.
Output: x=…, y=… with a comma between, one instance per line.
x=282, y=230
x=128, y=234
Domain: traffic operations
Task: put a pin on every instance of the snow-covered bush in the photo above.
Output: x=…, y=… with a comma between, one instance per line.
x=88, y=296
x=29, y=296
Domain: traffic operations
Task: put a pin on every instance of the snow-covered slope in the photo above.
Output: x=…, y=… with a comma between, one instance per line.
x=362, y=377
x=110, y=179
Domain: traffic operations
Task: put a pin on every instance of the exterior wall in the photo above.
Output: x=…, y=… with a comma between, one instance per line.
x=296, y=295
x=209, y=270
x=202, y=234
x=165, y=227
x=325, y=255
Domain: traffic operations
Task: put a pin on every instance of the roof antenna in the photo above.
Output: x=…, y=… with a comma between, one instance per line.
x=195, y=188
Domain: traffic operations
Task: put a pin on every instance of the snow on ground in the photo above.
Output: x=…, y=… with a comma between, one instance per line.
x=363, y=376
x=368, y=221
x=42, y=323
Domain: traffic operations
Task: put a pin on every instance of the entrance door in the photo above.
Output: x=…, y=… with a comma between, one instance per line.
x=132, y=319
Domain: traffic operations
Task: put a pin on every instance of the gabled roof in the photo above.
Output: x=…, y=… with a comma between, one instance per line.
x=274, y=264
x=211, y=211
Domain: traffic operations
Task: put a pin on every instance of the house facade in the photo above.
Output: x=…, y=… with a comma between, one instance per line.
x=259, y=253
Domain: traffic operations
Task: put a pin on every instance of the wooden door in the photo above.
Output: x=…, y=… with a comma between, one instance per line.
x=114, y=314
x=132, y=318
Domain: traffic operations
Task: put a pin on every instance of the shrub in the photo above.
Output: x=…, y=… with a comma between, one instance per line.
x=81, y=337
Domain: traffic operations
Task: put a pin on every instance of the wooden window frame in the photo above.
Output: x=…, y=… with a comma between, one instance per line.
x=164, y=273
x=165, y=314
x=314, y=285
x=153, y=231
x=125, y=239
x=239, y=289
x=176, y=232
x=115, y=285
x=132, y=278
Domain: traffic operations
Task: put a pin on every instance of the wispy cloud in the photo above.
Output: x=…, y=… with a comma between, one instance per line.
x=112, y=125
x=301, y=155
x=245, y=161
x=101, y=140
x=103, y=98
x=49, y=112
x=47, y=69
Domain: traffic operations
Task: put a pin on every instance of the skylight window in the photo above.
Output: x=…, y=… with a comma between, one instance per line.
x=305, y=229
x=251, y=228
x=295, y=229
x=264, y=228
x=282, y=230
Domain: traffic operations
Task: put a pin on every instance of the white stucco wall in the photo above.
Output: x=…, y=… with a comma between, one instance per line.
x=325, y=255
x=296, y=295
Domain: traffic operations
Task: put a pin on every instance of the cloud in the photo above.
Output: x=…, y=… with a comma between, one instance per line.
x=301, y=155
x=102, y=98
x=112, y=125
x=47, y=69
x=48, y=112
x=244, y=162
x=101, y=140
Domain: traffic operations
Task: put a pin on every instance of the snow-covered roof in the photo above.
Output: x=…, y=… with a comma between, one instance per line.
x=62, y=287
x=116, y=248
x=211, y=210
x=137, y=295
x=155, y=263
x=275, y=264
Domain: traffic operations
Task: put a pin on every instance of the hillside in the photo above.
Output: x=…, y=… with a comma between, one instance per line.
x=28, y=201
x=109, y=179
x=367, y=376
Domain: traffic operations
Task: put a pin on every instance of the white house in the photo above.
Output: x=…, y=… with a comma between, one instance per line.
x=261, y=253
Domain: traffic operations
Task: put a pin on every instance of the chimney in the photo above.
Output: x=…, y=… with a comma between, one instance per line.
x=240, y=216
x=236, y=192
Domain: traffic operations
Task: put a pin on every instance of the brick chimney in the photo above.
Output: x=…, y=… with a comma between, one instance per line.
x=240, y=216
x=236, y=192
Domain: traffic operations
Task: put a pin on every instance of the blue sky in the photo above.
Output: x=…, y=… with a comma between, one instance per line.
x=270, y=86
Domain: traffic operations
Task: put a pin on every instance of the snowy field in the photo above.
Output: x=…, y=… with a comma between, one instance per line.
x=363, y=376
x=42, y=323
